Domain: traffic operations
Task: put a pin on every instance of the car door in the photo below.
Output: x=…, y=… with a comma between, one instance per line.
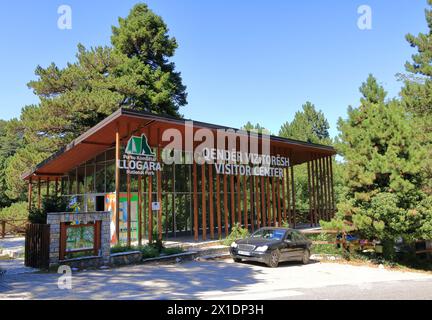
x=300, y=244
x=289, y=251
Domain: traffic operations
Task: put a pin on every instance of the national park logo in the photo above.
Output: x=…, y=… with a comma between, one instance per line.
x=139, y=146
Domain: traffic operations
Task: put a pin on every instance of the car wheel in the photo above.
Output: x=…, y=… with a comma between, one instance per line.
x=237, y=260
x=306, y=257
x=274, y=259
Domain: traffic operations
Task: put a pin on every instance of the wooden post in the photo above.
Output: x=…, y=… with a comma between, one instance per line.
x=268, y=202
x=317, y=200
x=293, y=197
x=278, y=201
x=251, y=202
x=321, y=188
x=195, y=200
x=257, y=202
x=333, y=200
x=263, y=214
x=117, y=183
x=159, y=185
x=150, y=209
x=56, y=186
x=226, y=214
x=139, y=210
x=218, y=207
x=39, y=194
x=245, y=209
x=232, y=192
x=310, y=194
x=30, y=194
x=239, y=218
x=326, y=189
x=204, y=204
x=129, y=207
x=314, y=207
x=211, y=201
x=288, y=195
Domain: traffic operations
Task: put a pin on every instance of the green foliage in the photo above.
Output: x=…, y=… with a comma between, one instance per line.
x=50, y=204
x=383, y=169
x=148, y=251
x=17, y=211
x=237, y=233
x=255, y=128
x=308, y=125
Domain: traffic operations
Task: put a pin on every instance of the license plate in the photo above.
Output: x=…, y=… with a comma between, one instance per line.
x=244, y=253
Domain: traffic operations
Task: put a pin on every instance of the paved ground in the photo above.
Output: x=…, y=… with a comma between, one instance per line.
x=224, y=280
x=14, y=266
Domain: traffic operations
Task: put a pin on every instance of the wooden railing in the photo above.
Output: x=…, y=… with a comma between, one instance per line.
x=13, y=227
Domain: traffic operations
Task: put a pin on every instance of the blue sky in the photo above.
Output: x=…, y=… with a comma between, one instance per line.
x=243, y=60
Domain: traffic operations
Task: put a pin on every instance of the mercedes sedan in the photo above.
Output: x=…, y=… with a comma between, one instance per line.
x=271, y=246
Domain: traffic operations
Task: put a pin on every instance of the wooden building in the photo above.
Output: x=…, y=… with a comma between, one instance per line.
x=120, y=165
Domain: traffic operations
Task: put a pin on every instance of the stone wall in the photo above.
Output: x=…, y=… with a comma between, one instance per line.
x=54, y=220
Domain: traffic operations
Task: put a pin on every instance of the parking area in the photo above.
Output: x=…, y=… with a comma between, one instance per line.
x=224, y=280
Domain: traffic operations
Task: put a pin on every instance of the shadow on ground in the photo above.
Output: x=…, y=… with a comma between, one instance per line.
x=183, y=281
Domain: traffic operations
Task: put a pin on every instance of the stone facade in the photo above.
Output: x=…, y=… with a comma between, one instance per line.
x=54, y=220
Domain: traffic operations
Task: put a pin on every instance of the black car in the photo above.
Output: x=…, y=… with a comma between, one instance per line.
x=271, y=246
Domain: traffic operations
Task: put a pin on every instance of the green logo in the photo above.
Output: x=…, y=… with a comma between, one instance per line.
x=139, y=146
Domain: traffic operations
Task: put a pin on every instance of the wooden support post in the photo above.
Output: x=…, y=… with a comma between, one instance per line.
x=317, y=198
x=333, y=199
x=293, y=197
x=128, y=201
x=326, y=195
x=195, y=200
x=278, y=197
x=245, y=207
x=232, y=193
x=320, y=169
x=268, y=202
x=48, y=187
x=56, y=186
x=39, y=194
x=283, y=198
x=226, y=213
x=150, y=209
x=288, y=195
x=310, y=194
x=257, y=202
x=313, y=184
x=263, y=211
x=251, y=202
x=117, y=183
x=239, y=213
x=218, y=207
x=30, y=194
x=204, y=205
x=274, y=209
x=139, y=210
x=159, y=185
x=211, y=201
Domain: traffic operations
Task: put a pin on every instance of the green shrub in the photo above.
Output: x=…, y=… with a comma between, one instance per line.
x=149, y=251
x=17, y=211
x=171, y=251
x=50, y=204
x=237, y=233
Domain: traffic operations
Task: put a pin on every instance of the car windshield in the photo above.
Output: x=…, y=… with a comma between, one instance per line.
x=269, y=234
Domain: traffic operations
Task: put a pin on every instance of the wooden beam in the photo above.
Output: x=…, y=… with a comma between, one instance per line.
x=30, y=193
x=195, y=200
x=56, y=186
x=283, y=197
x=245, y=207
x=211, y=201
x=226, y=213
x=293, y=197
x=232, y=193
x=204, y=204
x=278, y=196
x=159, y=185
x=139, y=210
x=268, y=202
x=310, y=195
x=150, y=209
x=274, y=201
x=129, y=195
x=48, y=187
x=257, y=202
x=263, y=214
x=218, y=206
x=117, y=183
x=288, y=195
x=251, y=202
x=239, y=213
x=333, y=200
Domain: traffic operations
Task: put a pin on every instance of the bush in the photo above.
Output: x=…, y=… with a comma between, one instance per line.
x=148, y=251
x=237, y=233
x=17, y=211
x=49, y=205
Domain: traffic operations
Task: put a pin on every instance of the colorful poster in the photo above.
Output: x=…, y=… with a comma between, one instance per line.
x=110, y=204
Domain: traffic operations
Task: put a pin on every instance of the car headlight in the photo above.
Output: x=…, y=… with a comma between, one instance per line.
x=261, y=249
x=234, y=245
